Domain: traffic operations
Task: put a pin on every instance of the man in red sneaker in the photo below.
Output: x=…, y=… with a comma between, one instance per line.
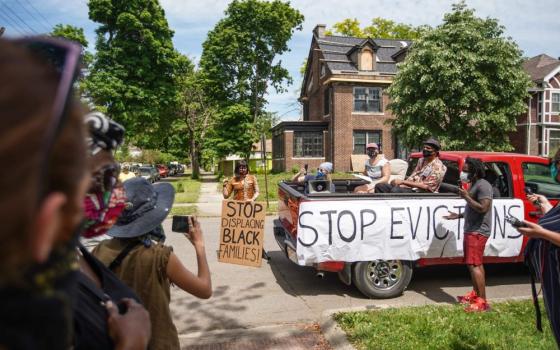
x=478, y=224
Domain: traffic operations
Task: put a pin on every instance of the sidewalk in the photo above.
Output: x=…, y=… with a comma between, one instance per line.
x=210, y=200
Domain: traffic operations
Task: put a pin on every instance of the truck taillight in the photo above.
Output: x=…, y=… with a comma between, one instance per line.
x=331, y=266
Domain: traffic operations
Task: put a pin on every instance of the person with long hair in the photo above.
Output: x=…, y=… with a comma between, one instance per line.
x=42, y=138
x=243, y=185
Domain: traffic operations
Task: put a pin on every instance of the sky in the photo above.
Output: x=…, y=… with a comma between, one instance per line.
x=533, y=25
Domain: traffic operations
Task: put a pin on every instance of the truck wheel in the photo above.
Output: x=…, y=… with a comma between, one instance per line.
x=382, y=279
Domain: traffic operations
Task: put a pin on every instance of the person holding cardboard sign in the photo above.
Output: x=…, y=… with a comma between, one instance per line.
x=243, y=185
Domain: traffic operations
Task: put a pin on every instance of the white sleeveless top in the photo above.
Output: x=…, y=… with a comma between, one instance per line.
x=375, y=171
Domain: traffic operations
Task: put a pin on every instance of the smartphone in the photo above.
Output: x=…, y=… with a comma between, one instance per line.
x=515, y=222
x=529, y=192
x=180, y=223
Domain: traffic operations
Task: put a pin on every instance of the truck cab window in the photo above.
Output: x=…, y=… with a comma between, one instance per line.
x=537, y=177
x=499, y=176
x=452, y=174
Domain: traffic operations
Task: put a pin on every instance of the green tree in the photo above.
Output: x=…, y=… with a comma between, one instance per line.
x=239, y=63
x=463, y=83
x=380, y=28
x=196, y=116
x=75, y=34
x=134, y=73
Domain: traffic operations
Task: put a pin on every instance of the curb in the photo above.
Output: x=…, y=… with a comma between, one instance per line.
x=255, y=333
x=332, y=332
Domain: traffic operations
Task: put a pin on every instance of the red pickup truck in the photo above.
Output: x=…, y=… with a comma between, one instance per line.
x=332, y=230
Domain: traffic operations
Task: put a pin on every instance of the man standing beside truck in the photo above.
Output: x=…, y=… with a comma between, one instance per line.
x=426, y=177
x=477, y=228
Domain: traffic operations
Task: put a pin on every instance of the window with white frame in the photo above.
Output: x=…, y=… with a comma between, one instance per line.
x=555, y=102
x=368, y=99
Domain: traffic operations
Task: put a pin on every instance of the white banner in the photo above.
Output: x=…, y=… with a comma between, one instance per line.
x=364, y=230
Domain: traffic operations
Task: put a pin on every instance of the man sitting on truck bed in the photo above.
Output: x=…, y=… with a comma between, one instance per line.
x=426, y=177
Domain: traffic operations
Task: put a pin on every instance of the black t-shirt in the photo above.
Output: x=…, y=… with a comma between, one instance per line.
x=90, y=316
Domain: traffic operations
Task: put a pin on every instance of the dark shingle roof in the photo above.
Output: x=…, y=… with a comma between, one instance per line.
x=540, y=66
x=336, y=50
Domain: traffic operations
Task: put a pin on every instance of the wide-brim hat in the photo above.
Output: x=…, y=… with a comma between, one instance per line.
x=146, y=207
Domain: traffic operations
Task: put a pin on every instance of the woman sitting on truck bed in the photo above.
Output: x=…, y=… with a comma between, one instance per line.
x=377, y=168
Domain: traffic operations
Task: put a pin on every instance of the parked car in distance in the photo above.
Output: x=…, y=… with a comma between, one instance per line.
x=163, y=170
x=147, y=173
x=172, y=169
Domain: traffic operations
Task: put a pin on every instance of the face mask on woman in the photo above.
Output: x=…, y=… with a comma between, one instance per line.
x=465, y=177
x=554, y=171
x=104, y=204
x=372, y=153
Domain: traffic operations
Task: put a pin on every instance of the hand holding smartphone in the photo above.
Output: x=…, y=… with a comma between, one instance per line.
x=515, y=222
x=180, y=223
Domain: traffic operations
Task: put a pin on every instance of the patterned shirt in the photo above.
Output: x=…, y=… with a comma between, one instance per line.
x=243, y=189
x=430, y=174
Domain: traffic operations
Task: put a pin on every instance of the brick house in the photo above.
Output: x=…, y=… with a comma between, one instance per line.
x=344, y=101
x=538, y=130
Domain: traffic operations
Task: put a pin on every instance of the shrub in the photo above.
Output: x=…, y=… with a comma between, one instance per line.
x=180, y=187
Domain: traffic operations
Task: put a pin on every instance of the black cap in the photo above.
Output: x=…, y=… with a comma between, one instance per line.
x=433, y=142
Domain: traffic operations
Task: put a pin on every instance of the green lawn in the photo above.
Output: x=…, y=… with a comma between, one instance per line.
x=509, y=325
x=183, y=210
x=191, y=190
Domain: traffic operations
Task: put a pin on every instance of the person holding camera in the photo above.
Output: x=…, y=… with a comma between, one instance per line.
x=149, y=267
x=477, y=228
x=243, y=185
x=323, y=173
x=542, y=253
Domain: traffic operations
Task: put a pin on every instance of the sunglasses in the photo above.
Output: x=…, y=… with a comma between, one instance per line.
x=64, y=56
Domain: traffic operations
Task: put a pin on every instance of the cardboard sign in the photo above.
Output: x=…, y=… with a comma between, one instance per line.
x=242, y=233
x=358, y=162
x=365, y=230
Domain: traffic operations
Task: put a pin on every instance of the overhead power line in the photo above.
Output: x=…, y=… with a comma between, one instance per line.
x=19, y=18
x=40, y=14
x=12, y=23
x=36, y=19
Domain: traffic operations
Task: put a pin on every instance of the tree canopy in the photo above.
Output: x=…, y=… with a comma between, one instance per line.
x=134, y=72
x=75, y=34
x=380, y=28
x=239, y=63
x=461, y=82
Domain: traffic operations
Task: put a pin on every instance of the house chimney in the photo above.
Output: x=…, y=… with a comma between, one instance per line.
x=319, y=30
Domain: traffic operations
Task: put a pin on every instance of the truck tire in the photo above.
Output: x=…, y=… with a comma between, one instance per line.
x=382, y=279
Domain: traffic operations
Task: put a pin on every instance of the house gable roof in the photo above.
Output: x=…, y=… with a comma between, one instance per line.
x=540, y=67
x=337, y=49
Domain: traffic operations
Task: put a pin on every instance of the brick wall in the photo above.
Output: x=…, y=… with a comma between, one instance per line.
x=345, y=122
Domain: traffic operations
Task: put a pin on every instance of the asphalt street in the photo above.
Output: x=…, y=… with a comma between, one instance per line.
x=282, y=293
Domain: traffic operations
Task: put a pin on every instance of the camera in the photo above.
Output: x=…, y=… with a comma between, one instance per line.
x=180, y=223
x=515, y=222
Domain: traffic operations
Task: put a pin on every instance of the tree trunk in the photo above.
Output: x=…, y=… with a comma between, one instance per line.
x=194, y=157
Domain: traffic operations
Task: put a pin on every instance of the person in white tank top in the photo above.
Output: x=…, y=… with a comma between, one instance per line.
x=377, y=168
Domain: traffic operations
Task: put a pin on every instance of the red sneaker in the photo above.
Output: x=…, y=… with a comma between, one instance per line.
x=467, y=298
x=478, y=305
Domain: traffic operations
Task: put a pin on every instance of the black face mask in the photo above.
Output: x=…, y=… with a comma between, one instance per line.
x=427, y=153
x=372, y=154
